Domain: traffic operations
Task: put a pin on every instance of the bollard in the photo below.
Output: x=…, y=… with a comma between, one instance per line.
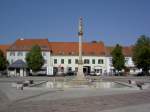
x=139, y=84
x=129, y=81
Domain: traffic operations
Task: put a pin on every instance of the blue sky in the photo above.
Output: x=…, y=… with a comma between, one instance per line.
x=110, y=21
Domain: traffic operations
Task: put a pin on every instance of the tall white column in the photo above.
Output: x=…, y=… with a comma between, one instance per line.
x=80, y=34
x=80, y=74
x=80, y=49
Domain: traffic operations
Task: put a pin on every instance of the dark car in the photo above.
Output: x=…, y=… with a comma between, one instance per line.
x=143, y=74
x=3, y=73
x=71, y=73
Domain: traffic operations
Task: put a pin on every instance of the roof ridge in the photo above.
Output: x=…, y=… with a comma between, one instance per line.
x=33, y=38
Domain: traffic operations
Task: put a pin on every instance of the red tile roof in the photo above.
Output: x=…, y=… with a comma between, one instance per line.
x=127, y=51
x=71, y=48
x=26, y=44
x=64, y=48
x=4, y=48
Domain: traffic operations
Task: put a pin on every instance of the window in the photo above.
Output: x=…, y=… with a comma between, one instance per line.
x=100, y=61
x=76, y=61
x=93, y=61
x=26, y=53
x=76, y=69
x=11, y=61
x=86, y=61
x=69, y=68
x=110, y=61
x=55, y=61
x=45, y=61
x=62, y=61
x=20, y=54
x=69, y=61
x=126, y=60
x=44, y=54
x=12, y=53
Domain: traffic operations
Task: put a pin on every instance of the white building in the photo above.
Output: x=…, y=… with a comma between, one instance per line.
x=127, y=52
x=19, y=49
x=61, y=57
x=65, y=57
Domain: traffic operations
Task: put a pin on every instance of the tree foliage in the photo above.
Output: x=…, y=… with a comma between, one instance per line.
x=35, y=59
x=141, y=53
x=118, y=58
x=3, y=62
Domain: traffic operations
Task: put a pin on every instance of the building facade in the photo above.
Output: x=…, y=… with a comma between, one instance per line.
x=62, y=57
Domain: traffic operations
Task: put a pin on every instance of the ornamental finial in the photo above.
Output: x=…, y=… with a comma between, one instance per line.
x=80, y=26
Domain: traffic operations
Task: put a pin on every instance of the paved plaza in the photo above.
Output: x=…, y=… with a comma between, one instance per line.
x=73, y=99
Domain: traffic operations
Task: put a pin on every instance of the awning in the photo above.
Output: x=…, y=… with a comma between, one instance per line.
x=18, y=64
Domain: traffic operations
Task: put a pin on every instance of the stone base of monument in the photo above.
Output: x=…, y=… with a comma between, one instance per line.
x=79, y=82
x=80, y=79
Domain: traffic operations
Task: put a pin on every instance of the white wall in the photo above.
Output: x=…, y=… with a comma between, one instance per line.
x=128, y=63
x=73, y=65
x=106, y=66
x=109, y=66
x=16, y=57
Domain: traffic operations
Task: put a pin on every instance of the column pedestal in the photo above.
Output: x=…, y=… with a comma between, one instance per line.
x=80, y=74
x=80, y=79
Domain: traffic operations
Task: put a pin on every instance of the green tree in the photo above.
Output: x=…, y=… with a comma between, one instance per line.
x=141, y=54
x=118, y=58
x=3, y=62
x=35, y=59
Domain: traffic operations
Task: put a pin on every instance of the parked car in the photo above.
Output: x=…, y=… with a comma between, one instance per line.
x=3, y=73
x=92, y=73
x=71, y=73
x=39, y=73
x=142, y=74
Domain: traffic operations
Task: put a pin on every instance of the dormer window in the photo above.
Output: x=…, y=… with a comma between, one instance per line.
x=63, y=53
x=69, y=53
x=92, y=53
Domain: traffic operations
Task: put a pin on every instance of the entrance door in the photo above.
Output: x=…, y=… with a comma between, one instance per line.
x=55, y=70
x=18, y=71
x=86, y=70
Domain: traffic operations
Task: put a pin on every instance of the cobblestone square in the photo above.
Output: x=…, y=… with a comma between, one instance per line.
x=73, y=100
